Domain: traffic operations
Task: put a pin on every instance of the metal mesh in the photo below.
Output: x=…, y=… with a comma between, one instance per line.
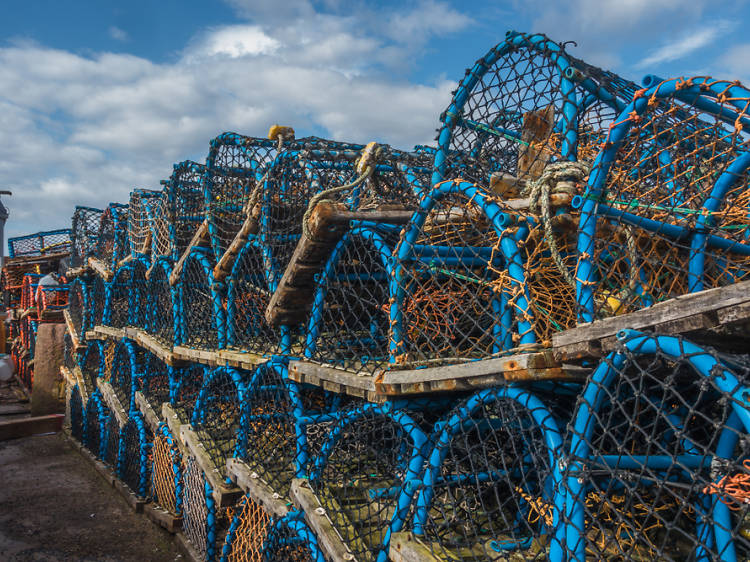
x=524, y=104
x=219, y=415
x=141, y=220
x=201, y=306
x=180, y=210
x=369, y=457
x=95, y=425
x=162, y=305
x=656, y=465
x=133, y=458
x=76, y=414
x=665, y=209
x=126, y=366
x=488, y=492
x=154, y=380
x=117, y=305
x=40, y=243
x=166, y=472
x=247, y=532
x=84, y=235
x=113, y=245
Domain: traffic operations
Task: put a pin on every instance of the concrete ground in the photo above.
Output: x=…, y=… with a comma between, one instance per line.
x=55, y=507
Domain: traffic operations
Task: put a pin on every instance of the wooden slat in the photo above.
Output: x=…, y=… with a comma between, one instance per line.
x=202, y=356
x=683, y=313
x=27, y=427
x=405, y=548
x=112, y=401
x=260, y=492
x=110, y=332
x=75, y=340
x=240, y=360
x=101, y=269
x=173, y=422
x=334, y=380
x=149, y=414
x=149, y=342
x=328, y=539
x=83, y=387
x=167, y=521
x=224, y=495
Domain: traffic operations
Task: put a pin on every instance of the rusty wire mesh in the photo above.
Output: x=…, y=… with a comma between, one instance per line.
x=166, y=471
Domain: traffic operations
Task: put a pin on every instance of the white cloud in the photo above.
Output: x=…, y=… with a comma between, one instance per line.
x=687, y=43
x=117, y=33
x=237, y=41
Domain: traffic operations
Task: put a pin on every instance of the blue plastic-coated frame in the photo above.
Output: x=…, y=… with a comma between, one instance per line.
x=144, y=448
x=218, y=315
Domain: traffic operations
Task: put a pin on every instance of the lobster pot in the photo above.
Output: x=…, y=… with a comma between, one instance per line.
x=186, y=384
x=665, y=208
x=219, y=415
x=20, y=360
x=28, y=334
x=12, y=280
x=488, y=490
x=154, y=380
x=78, y=305
x=40, y=244
x=349, y=325
x=525, y=103
x=76, y=409
x=91, y=362
x=201, y=304
x=166, y=471
x=253, y=536
x=248, y=296
x=113, y=244
x=141, y=221
x=363, y=475
x=204, y=523
x=28, y=289
x=179, y=211
x=163, y=316
x=111, y=441
x=286, y=424
x=98, y=300
x=51, y=302
x=656, y=461
x=127, y=364
x=84, y=235
x=133, y=466
x=138, y=309
x=117, y=301
x=70, y=356
x=94, y=429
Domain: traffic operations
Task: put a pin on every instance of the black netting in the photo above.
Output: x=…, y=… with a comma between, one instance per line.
x=278, y=540
x=70, y=356
x=201, y=305
x=133, y=458
x=92, y=363
x=138, y=308
x=154, y=380
x=187, y=382
x=113, y=235
x=97, y=301
x=127, y=364
x=141, y=210
x=94, y=433
x=162, y=304
x=111, y=445
x=84, y=234
x=76, y=414
x=656, y=467
x=78, y=305
x=117, y=305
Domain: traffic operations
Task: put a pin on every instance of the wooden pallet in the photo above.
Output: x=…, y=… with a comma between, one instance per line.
x=329, y=540
x=385, y=385
x=711, y=316
x=260, y=492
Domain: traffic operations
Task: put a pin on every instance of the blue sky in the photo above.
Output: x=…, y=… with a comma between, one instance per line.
x=100, y=97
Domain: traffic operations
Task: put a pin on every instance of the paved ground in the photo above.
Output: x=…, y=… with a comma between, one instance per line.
x=55, y=507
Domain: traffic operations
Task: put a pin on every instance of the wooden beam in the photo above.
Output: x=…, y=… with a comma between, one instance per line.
x=27, y=427
x=110, y=332
x=187, y=549
x=77, y=345
x=108, y=393
x=335, y=380
x=199, y=238
x=260, y=492
x=406, y=548
x=328, y=538
x=149, y=414
x=173, y=422
x=167, y=521
x=202, y=356
x=101, y=269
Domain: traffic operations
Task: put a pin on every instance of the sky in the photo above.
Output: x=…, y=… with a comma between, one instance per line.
x=99, y=97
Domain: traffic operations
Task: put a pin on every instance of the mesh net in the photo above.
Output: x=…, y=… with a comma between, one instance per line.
x=138, y=309
x=186, y=385
x=126, y=366
x=117, y=305
x=92, y=363
x=84, y=235
x=657, y=464
x=21, y=360
x=134, y=455
x=78, y=305
x=200, y=312
x=166, y=471
x=162, y=304
x=141, y=210
x=98, y=294
x=154, y=380
x=369, y=456
x=94, y=428
x=488, y=490
x=76, y=414
x=111, y=445
x=218, y=415
x=179, y=211
x=70, y=357
x=39, y=244
x=113, y=245
x=247, y=532
x=289, y=538
x=51, y=301
x=665, y=211
x=28, y=289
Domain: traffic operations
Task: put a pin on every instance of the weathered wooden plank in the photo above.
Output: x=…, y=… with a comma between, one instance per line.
x=256, y=488
x=672, y=310
x=328, y=539
x=173, y=422
x=199, y=238
x=533, y=152
x=67, y=375
x=202, y=356
x=135, y=503
x=25, y=427
x=83, y=386
x=224, y=495
x=150, y=343
x=149, y=414
x=238, y=359
x=406, y=548
x=187, y=549
x=167, y=521
x=75, y=340
x=110, y=332
x=322, y=372
x=98, y=465
x=101, y=269
x=108, y=393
